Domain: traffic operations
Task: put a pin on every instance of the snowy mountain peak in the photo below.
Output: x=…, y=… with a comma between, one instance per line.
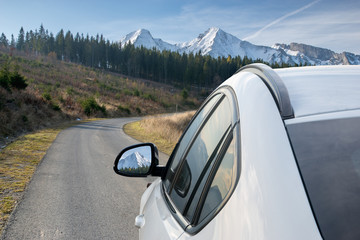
x=218, y=43
x=317, y=55
x=141, y=36
x=134, y=160
x=211, y=32
x=214, y=42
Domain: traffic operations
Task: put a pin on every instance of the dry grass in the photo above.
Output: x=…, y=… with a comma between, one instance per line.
x=18, y=162
x=163, y=131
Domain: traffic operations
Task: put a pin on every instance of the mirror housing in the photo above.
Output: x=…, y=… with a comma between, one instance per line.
x=138, y=160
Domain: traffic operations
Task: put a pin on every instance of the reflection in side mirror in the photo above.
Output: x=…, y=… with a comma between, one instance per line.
x=137, y=160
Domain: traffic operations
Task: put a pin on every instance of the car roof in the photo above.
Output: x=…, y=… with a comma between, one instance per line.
x=322, y=89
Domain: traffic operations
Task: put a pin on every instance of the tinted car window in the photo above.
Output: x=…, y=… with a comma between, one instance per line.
x=202, y=151
x=187, y=136
x=328, y=155
x=227, y=161
x=221, y=184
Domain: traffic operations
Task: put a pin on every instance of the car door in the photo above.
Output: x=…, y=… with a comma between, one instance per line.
x=155, y=206
x=192, y=188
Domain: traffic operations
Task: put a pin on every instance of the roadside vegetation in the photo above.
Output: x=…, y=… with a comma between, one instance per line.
x=40, y=92
x=163, y=131
x=18, y=162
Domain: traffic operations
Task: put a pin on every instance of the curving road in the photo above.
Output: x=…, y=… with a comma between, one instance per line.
x=75, y=194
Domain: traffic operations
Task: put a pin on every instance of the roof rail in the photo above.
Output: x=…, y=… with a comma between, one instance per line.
x=275, y=85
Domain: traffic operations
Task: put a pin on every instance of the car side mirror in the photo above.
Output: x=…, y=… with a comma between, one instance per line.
x=138, y=160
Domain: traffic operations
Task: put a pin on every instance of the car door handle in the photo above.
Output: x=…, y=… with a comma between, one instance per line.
x=140, y=221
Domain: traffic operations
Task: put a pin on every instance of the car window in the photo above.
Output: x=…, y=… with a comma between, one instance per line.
x=186, y=138
x=221, y=183
x=194, y=201
x=201, y=154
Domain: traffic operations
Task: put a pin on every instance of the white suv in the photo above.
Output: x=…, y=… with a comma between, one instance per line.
x=271, y=154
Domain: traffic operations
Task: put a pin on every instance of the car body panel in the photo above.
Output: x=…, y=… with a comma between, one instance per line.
x=157, y=215
x=322, y=89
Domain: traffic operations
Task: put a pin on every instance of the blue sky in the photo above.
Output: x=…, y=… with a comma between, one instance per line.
x=330, y=24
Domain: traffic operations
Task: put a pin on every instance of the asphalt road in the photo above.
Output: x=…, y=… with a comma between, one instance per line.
x=75, y=194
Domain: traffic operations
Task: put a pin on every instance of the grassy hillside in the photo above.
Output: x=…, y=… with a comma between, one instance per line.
x=59, y=91
x=163, y=131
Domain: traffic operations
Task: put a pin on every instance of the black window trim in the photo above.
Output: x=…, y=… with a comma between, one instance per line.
x=235, y=130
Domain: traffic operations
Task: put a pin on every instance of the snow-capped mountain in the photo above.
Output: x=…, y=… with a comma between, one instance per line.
x=143, y=37
x=319, y=56
x=214, y=42
x=134, y=160
x=217, y=43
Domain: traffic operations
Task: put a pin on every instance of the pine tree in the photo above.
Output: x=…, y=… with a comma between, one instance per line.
x=5, y=76
x=60, y=44
x=17, y=81
x=20, y=45
x=13, y=42
x=3, y=40
x=68, y=46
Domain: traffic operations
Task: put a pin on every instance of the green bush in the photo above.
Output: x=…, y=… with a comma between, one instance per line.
x=70, y=91
x=18, y=81
x=55, y=107
x=124, y=109
x=46, y=96
x=136, y=92
x=24, y=118
x=61, y=99
x=11, y=79
x=5, y=76
x=127, y=92
x=4, y=81
x=149, y=96
x=184, y=94
x=90, y=106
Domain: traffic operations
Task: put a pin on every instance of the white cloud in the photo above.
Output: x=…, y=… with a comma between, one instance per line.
x=336, y=30
x=280, y=20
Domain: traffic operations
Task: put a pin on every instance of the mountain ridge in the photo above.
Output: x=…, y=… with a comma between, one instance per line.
x=217, y=43
x=134, y=160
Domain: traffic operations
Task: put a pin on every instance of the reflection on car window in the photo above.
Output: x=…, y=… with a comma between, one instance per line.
x=221, y=184
x=187, y=137
x=203, y=150
x=183, y=183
